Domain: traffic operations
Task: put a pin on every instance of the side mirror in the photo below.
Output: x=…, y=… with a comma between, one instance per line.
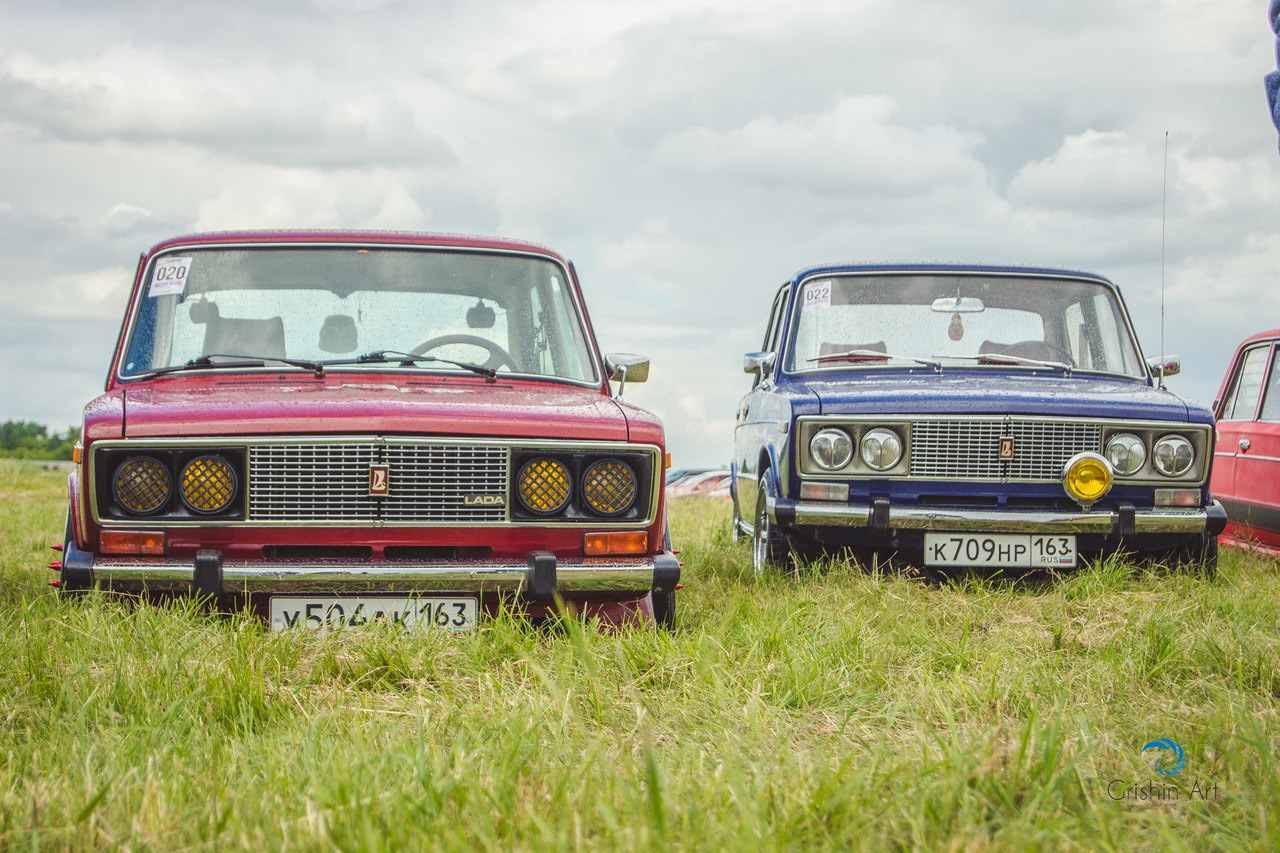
x=623, y=366
x=1165, y=365
x=759, y=363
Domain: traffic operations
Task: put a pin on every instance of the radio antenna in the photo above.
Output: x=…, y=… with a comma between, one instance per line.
x=1164, y=200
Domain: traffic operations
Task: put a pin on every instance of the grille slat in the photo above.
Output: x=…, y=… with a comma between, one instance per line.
x=330, y=482
x=968, y=449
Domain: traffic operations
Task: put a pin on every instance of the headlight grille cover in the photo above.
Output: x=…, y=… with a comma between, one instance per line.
x=609, y=487
x=141, y=485
x=544, y=485
x=208, y=484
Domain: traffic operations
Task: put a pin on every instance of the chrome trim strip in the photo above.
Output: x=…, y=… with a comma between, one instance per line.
x=246, y=442
x=602, y=575
x=996, y=521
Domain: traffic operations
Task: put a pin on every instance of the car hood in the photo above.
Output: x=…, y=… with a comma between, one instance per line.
x=337, y=405
x=970, y=392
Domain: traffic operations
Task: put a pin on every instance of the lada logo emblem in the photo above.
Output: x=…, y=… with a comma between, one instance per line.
x=1006, y=447
x=484, y=500
x=379, y=481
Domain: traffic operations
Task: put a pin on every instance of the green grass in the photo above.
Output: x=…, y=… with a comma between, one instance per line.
x=829, y=709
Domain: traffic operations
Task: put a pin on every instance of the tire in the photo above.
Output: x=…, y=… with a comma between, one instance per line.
x=1200, y=557
x=71, y=584
x=736, y=533
x=770, y=548
x=664, y=609
x=664, y=603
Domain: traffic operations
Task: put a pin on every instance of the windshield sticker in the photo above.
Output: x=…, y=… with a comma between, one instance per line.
x=817, y=294
x=169, y=276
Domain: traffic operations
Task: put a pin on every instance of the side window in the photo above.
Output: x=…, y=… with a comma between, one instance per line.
x=772, y=331
x=1271, y=400
x=770, y=343
x=1243, y=401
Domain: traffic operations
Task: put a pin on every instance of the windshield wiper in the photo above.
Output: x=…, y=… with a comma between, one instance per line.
x=1014, y=359
x=875, y=355
x=385, y=356
x=206, y=362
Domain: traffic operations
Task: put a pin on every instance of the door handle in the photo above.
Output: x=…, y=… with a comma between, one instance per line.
x=1244, y=444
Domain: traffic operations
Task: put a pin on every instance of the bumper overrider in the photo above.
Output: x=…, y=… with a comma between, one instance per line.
x=881, y=516
x=541, y=577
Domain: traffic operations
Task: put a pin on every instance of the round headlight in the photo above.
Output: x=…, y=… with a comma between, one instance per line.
x=831, y=449
x=609, y=487
x=1173, y=455
x=141, y=485
x=544, y=486
x=1126, y=453
x=207, y=484
x=1086, y=478
x=881, y=449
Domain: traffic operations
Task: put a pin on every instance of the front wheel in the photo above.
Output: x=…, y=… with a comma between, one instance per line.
x=770, y=547
x=1200, y=557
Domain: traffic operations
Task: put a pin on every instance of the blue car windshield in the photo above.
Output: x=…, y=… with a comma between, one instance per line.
x=987, y=321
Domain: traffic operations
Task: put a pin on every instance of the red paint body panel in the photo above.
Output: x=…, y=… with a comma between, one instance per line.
x=1246, y=472
x=338, y=403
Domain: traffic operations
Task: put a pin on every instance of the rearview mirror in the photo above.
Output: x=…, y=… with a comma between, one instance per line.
x=480, y=316
x=958, y=305
x=626, y=366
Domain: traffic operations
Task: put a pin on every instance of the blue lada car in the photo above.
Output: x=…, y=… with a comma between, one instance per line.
x=966, y=416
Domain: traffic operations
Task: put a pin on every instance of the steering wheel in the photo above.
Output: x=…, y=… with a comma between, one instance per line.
x=497, y=355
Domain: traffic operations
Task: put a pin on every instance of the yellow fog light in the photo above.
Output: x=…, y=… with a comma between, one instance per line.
x=141, y=485
x=1086, y=478
x=609, y=487
x=207, y=484
x=544, y=485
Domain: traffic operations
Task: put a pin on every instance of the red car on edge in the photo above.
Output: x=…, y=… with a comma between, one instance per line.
x=1246, y=456
x=337, y=428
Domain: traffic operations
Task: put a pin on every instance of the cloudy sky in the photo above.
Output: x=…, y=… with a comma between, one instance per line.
x=689, y=155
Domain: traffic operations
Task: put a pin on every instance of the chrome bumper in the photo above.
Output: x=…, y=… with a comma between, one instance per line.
x=540, y=576
x=1209, y=520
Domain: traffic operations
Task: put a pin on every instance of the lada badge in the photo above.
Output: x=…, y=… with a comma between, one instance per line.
x=379, y=481
x=484, y=500
x=1006, y=447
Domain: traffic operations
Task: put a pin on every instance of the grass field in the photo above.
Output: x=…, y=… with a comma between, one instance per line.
x=832, y=709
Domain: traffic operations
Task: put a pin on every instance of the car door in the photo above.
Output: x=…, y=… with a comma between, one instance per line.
x=1246, y=475
x=749, y=434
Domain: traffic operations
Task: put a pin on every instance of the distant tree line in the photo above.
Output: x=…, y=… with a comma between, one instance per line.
x=30, y=440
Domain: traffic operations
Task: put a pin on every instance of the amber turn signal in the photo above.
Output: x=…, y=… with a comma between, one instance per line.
x=141, y=542
x=615, y=543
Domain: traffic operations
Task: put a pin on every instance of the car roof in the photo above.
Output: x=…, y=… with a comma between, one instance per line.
x=348, y=236
x=1260, y=336
x=935, y=267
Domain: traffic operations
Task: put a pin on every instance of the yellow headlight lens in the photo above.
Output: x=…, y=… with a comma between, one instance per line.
x=208, y=484
x=544, y=485
x=142, y=485
x=609, y=487
x=1087, y=477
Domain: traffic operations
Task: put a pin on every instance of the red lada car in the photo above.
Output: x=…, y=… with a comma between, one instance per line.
x=1246, y=456
x=335, y=428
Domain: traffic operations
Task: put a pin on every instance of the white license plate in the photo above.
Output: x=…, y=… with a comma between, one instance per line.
x=1000, y=550
x=456, y=614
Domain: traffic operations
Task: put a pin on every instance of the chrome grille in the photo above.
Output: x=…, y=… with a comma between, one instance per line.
x=968, y=449
x=330, y=482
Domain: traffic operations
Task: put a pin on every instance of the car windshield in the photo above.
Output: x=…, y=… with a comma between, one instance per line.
x=946, y=319
x=511, y=313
